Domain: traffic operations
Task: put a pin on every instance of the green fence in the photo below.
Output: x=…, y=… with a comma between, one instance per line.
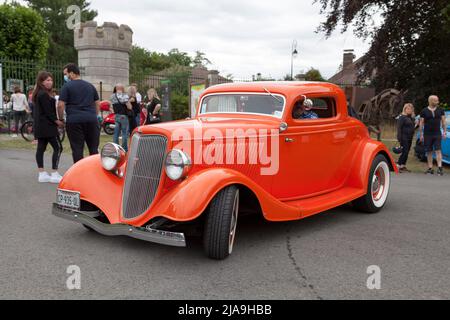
x=23, y=73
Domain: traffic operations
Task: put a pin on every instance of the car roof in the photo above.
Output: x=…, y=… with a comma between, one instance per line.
x=281, y=87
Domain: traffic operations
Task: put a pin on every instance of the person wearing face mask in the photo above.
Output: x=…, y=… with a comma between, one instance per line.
x=80, y=100
x=46, y=126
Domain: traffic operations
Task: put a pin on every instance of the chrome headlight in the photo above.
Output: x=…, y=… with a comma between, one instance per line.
x=177, y=164
x=112, y=156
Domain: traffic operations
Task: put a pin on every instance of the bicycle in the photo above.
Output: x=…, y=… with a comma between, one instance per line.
x=27, y=132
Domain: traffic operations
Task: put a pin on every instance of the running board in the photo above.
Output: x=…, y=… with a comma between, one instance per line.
x=314, y=205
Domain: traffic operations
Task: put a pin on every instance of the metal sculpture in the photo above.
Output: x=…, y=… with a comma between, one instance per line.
x=382, y=108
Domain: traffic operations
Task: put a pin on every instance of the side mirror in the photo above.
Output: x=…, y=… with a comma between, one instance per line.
x=283, y=127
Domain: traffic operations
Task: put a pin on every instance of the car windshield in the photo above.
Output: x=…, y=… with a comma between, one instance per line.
x=265, y=104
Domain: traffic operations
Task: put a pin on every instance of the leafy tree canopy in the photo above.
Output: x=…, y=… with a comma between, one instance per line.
x=409, y=50
x=200, y=59
x=145, y=62
x=22, y=33
x=61, y=47
x=313, y=75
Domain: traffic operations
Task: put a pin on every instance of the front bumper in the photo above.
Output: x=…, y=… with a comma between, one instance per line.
x=151, y=235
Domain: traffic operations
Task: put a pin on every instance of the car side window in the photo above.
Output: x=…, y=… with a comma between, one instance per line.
x=322, y=108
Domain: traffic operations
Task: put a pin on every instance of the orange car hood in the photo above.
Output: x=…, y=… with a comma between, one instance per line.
x=221, y=123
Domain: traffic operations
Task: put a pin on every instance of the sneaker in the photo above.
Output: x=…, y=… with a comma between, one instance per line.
x=55, y=178
x=405, y=169
x=14, y=136
x=44, y=177
x=429, y=171
x=440, y=172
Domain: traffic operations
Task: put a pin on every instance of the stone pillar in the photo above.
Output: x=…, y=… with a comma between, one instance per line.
x=104, y=54
x=213, y=77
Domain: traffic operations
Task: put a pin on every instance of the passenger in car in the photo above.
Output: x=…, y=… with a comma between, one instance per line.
x=303, y=111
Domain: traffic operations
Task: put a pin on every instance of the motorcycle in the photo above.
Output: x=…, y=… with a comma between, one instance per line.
x=109, y=123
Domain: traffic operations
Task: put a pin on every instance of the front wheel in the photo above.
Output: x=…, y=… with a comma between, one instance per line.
x=221, y=222
x=378, y=189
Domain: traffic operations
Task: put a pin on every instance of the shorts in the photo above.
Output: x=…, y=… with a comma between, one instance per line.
x=433, y=143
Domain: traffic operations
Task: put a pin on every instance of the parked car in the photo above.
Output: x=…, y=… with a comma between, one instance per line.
x=248, y=149
x=420, y=149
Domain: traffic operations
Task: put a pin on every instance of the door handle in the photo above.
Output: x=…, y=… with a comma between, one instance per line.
x=289, y=140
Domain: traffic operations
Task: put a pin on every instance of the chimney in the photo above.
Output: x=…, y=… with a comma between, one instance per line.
x=349, y=56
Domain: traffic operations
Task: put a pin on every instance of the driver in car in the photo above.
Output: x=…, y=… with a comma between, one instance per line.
x=303, y=111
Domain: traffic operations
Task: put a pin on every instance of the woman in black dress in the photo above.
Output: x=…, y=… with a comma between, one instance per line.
x=46, y=126
x=132, y=94
x=153, y=107
x=405, y=134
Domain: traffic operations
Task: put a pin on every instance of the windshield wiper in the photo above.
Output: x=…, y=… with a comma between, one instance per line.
x=272, y=95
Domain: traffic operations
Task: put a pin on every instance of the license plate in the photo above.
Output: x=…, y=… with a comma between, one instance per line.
x=68, y=199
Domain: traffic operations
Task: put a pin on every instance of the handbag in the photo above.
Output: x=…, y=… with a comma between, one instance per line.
x=397, y=150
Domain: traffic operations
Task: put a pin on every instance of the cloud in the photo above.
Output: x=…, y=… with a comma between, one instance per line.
x=239, y=37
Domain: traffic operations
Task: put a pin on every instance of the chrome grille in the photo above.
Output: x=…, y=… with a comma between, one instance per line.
x=145, y=165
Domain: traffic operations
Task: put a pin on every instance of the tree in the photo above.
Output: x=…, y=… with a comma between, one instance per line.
x=143, y=61
x=313, y=75
x=179, y=58
x=61, y=41
x=408, y=51
x=22, y=33
x=200, y=59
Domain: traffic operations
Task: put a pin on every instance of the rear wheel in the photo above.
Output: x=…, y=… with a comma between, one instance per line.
x=27, y=131
x=108, y=129
x=378, y=189
x=221, y=222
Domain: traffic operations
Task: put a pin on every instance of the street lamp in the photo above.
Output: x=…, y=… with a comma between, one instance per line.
x=294, y=54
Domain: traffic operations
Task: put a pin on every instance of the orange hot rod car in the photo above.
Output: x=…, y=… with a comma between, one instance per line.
x=285, y=150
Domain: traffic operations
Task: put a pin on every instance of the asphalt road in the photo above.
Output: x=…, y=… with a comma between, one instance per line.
x=323, y=257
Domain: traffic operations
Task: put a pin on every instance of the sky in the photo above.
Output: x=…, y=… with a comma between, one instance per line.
x=240, y=37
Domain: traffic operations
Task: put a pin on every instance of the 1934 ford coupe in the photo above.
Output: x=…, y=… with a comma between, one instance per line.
x=285, y=150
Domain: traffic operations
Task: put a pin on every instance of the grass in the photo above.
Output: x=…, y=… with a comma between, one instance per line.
x=389, y=134
x=389, y=138
x=7, y=142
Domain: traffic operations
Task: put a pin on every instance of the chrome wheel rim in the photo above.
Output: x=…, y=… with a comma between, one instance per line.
x=233, y=224
x=380, y=184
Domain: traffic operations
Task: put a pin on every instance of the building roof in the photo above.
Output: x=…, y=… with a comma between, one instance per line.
x=348, y=75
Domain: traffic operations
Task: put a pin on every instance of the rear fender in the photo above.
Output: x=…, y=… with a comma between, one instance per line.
x=368, y=150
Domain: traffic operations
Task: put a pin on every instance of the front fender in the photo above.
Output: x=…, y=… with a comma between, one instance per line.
x=189, y=199
x=368, y=150
x=97, y=186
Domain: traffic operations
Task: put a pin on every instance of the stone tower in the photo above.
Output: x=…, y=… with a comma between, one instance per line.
x=104, y=54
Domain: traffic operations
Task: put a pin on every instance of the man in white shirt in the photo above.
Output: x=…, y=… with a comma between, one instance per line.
x=20, y=108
